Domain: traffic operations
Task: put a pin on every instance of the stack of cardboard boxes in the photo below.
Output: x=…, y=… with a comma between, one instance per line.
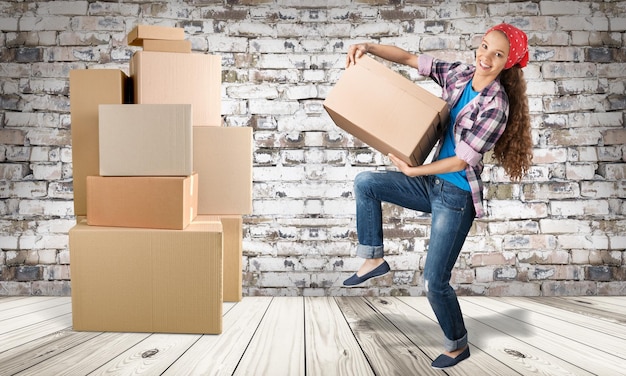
x=160, y=187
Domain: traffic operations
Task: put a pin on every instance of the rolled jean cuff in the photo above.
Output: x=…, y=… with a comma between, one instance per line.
x=369, y=251
x=460, y=343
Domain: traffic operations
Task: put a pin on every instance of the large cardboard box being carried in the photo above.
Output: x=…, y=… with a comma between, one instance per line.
x=88, y=89
x=387, y=111
x=147, y=280
x=167, y=202
x=170, y=77
x=146, y=140
x=222, y=157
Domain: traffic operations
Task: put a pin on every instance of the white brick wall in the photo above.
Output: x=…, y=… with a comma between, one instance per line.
x=558, y=232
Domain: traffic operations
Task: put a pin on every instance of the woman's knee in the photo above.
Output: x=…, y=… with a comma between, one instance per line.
x=363, y=181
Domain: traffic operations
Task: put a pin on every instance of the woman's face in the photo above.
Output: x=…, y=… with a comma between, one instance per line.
x=492, y=54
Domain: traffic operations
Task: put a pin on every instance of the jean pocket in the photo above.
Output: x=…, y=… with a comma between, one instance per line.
x=454, y=197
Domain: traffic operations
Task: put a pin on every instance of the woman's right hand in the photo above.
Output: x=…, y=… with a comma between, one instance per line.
x=354, y=52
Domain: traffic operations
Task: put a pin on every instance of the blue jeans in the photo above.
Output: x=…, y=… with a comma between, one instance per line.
x=452, y=216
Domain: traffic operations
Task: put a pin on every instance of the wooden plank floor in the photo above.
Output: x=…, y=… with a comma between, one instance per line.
x=328, y=336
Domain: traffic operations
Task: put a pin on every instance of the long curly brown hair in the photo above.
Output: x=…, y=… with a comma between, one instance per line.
x=514, y=148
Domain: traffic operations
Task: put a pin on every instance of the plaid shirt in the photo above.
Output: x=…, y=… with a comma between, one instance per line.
x=478, y=125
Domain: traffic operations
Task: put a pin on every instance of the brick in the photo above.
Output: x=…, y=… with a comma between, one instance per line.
x=543, y=257
x=568, y=288
x=584, y=23
x=580, y=171
x=553, y=190
x=556, y=8
x=564, y=226
x=600, y=189
x=612, y=171
x=598, y=273
x=583, y=241
x=513, y=288
x=28, y=273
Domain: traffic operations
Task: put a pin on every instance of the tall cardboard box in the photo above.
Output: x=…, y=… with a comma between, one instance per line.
x=387, y=111
x=222, y=157
x=142, y=33
x=232, y=227
x=170, y=77
x=166, y=202
x=145, y=140
x=90, y=88
x=147, y=280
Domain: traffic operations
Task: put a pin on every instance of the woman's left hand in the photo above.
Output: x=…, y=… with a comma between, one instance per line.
x=401, y=165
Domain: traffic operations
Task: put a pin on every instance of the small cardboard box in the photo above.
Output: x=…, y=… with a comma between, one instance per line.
x=140, y=33
x=222, y=157
x=387, y=111
x=170, y=77
x=147, y=280
x=145, y=140
x=88, y=89
x=182, y=46
x=166, y=202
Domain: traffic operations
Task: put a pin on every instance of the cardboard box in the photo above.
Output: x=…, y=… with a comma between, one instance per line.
x=140, y=33
x=387, y=111
x=168, y=77
x=146, y=140
x=147, y=280
x=222, y=157
x=181, y=46
x=88, y=89
x=166, y=202
x=232, y=228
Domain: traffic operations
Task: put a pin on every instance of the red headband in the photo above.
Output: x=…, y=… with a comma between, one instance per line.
x=518, y=44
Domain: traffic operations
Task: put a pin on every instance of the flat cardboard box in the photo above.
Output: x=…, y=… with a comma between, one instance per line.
x=146, y=140
x=222, y=157
x=181, y=46
x=166, y=202
x=169, y=77
x=88, y=89
x=140, y=33
x=387, y=111
x=147, y=280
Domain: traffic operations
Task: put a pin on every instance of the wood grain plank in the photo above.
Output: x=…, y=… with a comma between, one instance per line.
x=277, y=347
x=18, y=301
x=34, y=331
x=600, y=304
x=27, y=319
x=34, y=306
x=387, y=349
x=331, y=348
x=579, y=354
x=569, y=317
x=617, y=300
x=598, y=340
x=518, y=356
x=215, y=355
x=590, y=310
x=151, y=356
x=36, y=351
x=87, y=356
x=424, y=331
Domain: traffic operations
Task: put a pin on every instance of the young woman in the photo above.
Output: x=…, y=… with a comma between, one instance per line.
x=489, y=110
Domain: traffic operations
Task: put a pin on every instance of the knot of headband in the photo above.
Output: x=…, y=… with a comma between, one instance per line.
x=518, y=44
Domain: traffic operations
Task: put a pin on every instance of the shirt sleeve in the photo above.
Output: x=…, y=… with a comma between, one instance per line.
x=485, y=132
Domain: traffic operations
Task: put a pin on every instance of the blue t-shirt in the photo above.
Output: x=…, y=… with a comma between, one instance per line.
x=458, y=178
